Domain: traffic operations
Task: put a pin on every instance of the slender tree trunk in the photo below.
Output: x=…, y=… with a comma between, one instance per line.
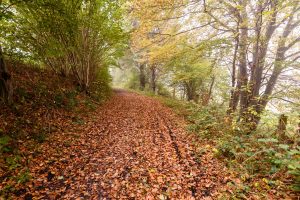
x=183, y=93
x=243, y=74
x=298, y=128
x=174, y=92
x=281, y=128
x=241, y=81
x=142, y=77
x=259, y=53
x=5, y=81
x=234, y=97
x=262, y=103
x=189, y=93
x=207, y=97
x=153, y=79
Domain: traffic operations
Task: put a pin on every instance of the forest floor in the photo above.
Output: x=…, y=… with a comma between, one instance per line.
x=132, y=147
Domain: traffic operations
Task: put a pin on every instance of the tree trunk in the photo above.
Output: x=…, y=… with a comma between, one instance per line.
x=183, y=94
x=142, y=77
x=243, y=74
x=206, y=97
x=5, y=81
x=189, y=94
x=153, y=79
x=258, y=64
x=298, y=129
x=234, y=97
x=259, y=103
x=174, y=92
x=190, y=91
x=282, y=123
x=281, y=128
x=251, y=105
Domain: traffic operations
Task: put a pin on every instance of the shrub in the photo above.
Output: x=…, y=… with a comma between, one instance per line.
x=100, y=89
x=261, y=155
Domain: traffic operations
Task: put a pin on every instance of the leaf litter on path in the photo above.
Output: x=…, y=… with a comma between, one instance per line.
x=130, y=148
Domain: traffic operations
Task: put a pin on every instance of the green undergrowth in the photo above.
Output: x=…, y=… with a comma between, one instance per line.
x=264, y=163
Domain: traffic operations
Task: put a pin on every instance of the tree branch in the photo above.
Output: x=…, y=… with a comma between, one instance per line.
x=215, y=18
x=291, y=55
x=292, y=43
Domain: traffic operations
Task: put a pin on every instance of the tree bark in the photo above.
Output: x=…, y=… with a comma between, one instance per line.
x=298, y=128
x=258, y=65
x=189, y=92
x=5, y=81
x=153, y=79
x=261, y=102
x=260, y=50
x=234, y=97
x=142, y=77
x=174, y=92
x=242, y=84
x=254, y=104
x=281, y=128
x=191, y=95
x=206, y=97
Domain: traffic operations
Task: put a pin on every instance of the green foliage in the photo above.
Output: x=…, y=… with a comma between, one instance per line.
x=71, y=99
x=5, y=191
x=89, y=104
x=259, y=154
x=188, y=66
x=13, y=162
x=22, y=94
x=163, y=91
x=133, y=82
x=23, y=177
x=58, y=100
x=75, y=38
x=66, y=99
x=4, y=144
x=100, y=89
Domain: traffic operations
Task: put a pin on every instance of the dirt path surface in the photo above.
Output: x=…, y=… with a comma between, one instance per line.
x=132, y=148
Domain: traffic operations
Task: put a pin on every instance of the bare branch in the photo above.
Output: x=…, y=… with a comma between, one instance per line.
x=292, y=43
x=177, y=17
x=215, y=18
x=291, y=55
x=185, y=31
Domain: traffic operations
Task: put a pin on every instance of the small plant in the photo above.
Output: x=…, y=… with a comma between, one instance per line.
x=263, y=156
x=40, y=137
x=78, y=120
x=71, y=100
x=66, y=99
x=22, y=94
x=58, y=100
x=4, y=144
x=5, y=191
x=89, y=104
x=23, y=177
x=13, y=162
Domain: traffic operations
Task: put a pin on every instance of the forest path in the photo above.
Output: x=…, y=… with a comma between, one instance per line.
x=132, y=148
